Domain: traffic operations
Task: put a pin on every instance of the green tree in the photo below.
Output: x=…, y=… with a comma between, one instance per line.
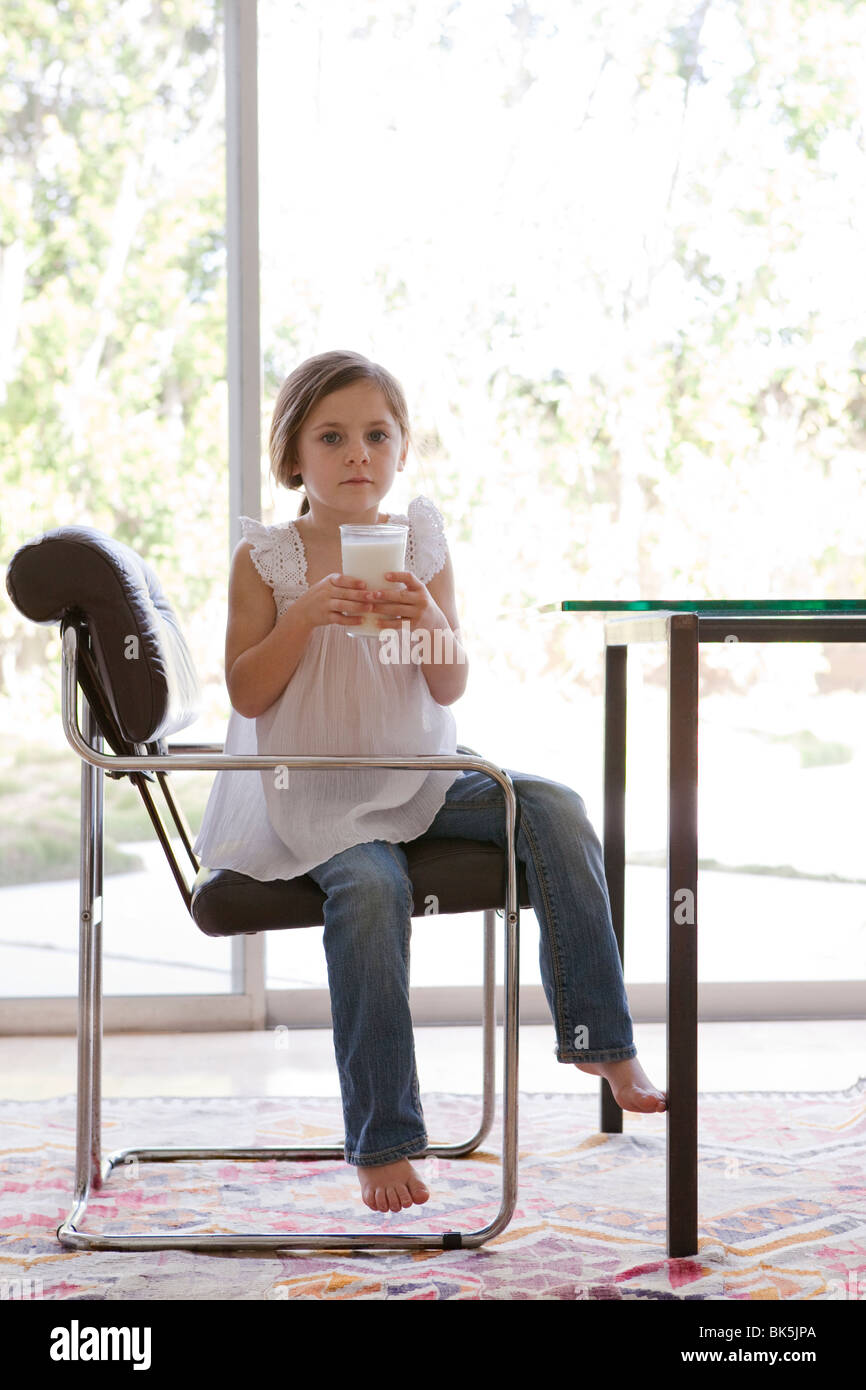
x=112, y=282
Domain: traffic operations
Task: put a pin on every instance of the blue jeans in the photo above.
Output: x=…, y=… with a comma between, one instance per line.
x=367, y=915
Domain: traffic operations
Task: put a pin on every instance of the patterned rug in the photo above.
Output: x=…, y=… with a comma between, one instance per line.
x=782, y=1203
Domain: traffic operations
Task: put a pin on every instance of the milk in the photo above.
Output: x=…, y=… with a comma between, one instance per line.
x=369, y=553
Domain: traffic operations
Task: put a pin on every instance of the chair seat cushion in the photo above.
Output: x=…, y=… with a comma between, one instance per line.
x=462, y=875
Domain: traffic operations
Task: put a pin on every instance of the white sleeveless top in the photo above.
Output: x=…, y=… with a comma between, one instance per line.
x=341, y=699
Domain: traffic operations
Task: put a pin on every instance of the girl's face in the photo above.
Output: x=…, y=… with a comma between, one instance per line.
x=350, y=434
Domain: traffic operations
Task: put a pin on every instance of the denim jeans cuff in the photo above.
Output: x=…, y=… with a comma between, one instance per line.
x=609, y=1054
x=374, y=1160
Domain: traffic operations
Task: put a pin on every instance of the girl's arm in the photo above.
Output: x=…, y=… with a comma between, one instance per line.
x=446, y=680
x=262, y=650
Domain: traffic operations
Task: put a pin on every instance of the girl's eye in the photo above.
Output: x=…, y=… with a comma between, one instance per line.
x=325, y=437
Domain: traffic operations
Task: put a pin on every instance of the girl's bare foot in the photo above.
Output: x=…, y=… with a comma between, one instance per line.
x=632, y=1088
x=391, y=1186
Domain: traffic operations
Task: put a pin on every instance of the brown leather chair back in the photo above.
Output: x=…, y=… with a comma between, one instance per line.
x=147, y=681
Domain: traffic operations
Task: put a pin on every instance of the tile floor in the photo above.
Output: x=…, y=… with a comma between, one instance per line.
x=807, y=1056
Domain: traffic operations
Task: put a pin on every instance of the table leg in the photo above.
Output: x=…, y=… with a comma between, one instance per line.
x=615, y=686
x=682, y=1001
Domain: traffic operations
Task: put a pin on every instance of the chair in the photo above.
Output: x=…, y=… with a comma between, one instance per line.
x=122, y=647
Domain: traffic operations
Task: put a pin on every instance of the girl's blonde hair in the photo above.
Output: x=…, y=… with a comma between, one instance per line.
x=304, y=388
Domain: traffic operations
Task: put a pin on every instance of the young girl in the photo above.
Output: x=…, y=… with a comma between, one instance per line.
x=300, y=682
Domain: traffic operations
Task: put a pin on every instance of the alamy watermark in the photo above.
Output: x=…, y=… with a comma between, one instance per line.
x=16, y=1290
x=77, y=1343
x=437, y=648
x=684, y=911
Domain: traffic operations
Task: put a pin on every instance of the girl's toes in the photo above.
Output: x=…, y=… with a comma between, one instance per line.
x=419, y=1192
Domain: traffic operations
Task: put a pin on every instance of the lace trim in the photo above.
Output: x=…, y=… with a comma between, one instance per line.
x=277, y=553
x=428, y=546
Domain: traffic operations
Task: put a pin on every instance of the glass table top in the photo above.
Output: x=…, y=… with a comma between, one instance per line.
x=709, y=607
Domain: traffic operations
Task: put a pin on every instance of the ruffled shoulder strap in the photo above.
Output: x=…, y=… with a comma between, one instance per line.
x=277, y=553
x=428, y=548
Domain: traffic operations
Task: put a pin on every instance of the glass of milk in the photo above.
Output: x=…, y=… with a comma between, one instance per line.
x=369, y=553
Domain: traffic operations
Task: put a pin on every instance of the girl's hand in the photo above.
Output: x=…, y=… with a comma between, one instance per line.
x=412, y=604
x=338, y=598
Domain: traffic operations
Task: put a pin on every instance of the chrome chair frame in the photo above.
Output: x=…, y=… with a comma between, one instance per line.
x=92, y=1169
